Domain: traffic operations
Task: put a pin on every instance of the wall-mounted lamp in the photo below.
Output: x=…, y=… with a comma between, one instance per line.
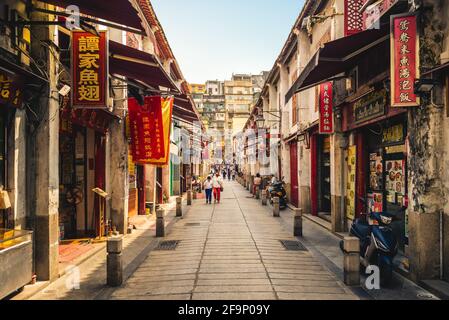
x=260, y=121
x=424, y=86
x=305, y=138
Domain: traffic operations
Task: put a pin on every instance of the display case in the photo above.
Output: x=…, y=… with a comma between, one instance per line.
x=16, y=260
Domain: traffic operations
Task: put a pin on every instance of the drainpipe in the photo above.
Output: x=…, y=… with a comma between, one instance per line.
x=441, y=244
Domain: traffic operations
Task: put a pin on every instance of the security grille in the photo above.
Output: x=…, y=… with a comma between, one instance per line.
x=293, y=245
x=167, y=245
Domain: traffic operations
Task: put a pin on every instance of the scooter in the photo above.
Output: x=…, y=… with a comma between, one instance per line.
x=277, y=190
x=378, y=244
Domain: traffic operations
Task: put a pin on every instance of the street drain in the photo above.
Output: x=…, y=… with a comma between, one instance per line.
x=293, y=245
x=193, y=224
x=167, y=245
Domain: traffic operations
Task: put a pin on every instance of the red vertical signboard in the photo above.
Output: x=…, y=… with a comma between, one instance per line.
x=89, y=70
x=326, y=112
x=404, y=60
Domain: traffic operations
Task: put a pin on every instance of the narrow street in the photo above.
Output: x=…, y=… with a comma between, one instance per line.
x=231, y=251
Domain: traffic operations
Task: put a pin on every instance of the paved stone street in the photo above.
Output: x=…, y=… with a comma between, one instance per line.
x=231, y=251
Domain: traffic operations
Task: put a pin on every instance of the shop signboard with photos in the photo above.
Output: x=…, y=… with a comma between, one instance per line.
x=89, y=70
x=404, y=60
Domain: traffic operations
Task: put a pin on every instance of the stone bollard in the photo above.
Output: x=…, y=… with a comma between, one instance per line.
x=114, y=264
x=195, y=196
x=189, y=198
x=160, y=223
x=276, y=209
x=297, y=223
x=351, y=265
x=251, y=188
x=247, y=185
x=264, y=197
x=179, y=206
x=257, y=193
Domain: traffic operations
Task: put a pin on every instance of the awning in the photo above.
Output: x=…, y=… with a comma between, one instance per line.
x=117, y=11
x=26, y=75
x=336, y=57
x=441, y=67
x=184, y=109
x=135, y=64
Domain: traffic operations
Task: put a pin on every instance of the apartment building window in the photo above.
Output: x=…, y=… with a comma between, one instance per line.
x=294, y=100
x=295, y=109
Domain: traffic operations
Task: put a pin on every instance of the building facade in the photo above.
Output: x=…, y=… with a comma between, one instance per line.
x=377, y=151
x=66, y=173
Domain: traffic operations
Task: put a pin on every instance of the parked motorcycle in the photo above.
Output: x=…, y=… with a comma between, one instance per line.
x=378, y=244
x=277, y=190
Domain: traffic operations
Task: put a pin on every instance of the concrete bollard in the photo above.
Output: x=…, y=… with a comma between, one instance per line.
x=189, y=198
x=257, y=193
x=160, y=223
x=297, y=223
x=195, y=196
x=179, y=206
x=351, y=265
x=251, y=188
x=276, y=209
x=264, y=197
x=114, y=264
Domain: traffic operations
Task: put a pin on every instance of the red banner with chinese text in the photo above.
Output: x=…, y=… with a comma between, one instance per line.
x=326, y=105
x=404, y=60
x=150, y=126
x=89, y=70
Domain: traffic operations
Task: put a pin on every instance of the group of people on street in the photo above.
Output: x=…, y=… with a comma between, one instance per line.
x=213, y=185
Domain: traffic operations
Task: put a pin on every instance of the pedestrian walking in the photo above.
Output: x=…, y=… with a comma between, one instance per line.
x=208, y=189
x=257, y=184
x=217, y=184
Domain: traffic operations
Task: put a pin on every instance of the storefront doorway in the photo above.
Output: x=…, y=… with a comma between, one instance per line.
x=294, y=174
x=324, y=178
x=82, y=212
x=387, y=168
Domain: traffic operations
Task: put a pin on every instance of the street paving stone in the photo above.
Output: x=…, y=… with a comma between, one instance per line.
x=233, y=254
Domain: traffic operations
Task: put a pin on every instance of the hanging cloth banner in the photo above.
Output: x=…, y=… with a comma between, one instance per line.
x=326, y=111
x=150, y=127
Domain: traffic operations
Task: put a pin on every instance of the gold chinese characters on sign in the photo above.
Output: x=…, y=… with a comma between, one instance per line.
x=89, y=69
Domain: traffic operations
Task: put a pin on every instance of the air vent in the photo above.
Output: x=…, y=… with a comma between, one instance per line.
x=293, y=245
x=168, y=245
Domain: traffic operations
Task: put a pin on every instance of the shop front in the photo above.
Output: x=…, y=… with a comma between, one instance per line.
x=377, y=161
x=82, y=210
x=320, y=175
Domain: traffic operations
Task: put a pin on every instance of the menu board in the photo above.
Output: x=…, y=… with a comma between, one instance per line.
x=376, y=171
x=395, y=181
x=375, y=202
x=375, y=198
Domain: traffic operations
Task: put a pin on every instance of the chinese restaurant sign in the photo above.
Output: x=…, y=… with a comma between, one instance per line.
x=150, y=127
x=326, y=112
x=10, y=91
x=373, y=13
x=404, y=60
x=89, y=70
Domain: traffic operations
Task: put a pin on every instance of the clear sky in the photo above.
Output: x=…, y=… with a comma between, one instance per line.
x=212, y=39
